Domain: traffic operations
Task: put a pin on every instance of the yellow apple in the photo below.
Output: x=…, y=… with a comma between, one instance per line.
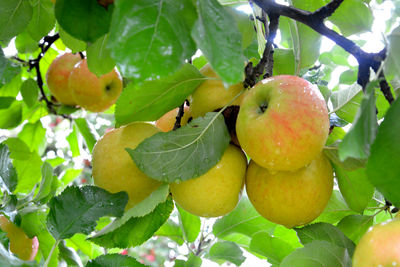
x=379, y=246
x=167, y=121
x=57, y=77
x=20, y=244
x=212, y=95
x=216, y=192
x=290, y=198
x=91, y=92
x=283, y=123
x=113, y=168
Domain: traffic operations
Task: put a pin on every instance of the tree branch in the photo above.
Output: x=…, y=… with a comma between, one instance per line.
x=315, y=20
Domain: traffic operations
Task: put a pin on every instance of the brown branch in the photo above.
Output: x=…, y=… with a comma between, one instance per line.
x=315, y=20
x=179, y=116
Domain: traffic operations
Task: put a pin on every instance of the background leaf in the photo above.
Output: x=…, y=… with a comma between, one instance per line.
x=355, y=226
x=8, y=174
x=226, y=251
x=99, y=58
x=114, y=260
x=176, y=155
x=30, y=92
x=190, y=224
x=43, y=19
x=8, y=70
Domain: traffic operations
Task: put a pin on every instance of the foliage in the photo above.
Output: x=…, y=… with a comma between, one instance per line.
x=159, y=47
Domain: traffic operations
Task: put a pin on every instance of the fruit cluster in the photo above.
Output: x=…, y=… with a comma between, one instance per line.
x=72, y=83
x=282, y=126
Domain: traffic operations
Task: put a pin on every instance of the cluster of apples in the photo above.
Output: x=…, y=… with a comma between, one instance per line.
x=72, y=83
x=282, y=126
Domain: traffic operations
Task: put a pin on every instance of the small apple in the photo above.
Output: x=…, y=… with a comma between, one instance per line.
x=91, y=92
x=212, y=95
x=290, y=198
x=167, y=121
x=57, y=77
x=379, y=246
x=283, y=123
x=20, y=244
x=113, y=168
x=216, y=192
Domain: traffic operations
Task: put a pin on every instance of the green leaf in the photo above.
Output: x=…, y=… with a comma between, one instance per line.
x=360, y=14
x=76, y=210
x=8, y=69
x=34, y=135
x=72, y=139
x=244, y=219
x=355, y=187
x=8, y=174
x=25, y=44
x=318, y=254
x=171, y=230
x=137, y=230
x=349, y=164
x=357, y=142
x=226, y=251
x=114, y=260
x=42, y=19
x=348, y=77
x=152, y=99
x=355, y=226
x=216, y=30
x=5, y=102
x=283, y=61
x=325, y=232
x=190, y=224
x=188, y=152
x=244, y=24
x=48, y=185
x=85, y=20
x=15, y=16
x=335, y=210
x=86, y=132
x=28, y=164
x=72, y=43
x=99, y=57
x=383, y=169
x=274, y=248
x=141, y=209
x=11, y=117
x=70, y=256
x=150, y=39
x=392, y=63
x=30, y=92
x=346, y=102
x=79, y=242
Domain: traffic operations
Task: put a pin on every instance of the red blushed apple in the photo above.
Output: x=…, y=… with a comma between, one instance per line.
x=379, y=246
x=283, y=123
x=91, y=92
x=57, y=77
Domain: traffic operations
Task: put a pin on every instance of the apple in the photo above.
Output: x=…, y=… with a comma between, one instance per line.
x=379, y=246
x=91, y=92
x=283, y=123
x=167, y=121
x=20, y=244
x=290, y=198
x=216, y=192
x=57, y=77
x=212, y=95
x=113, y=168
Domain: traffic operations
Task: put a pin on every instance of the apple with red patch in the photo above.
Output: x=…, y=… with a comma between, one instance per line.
x=283, y=123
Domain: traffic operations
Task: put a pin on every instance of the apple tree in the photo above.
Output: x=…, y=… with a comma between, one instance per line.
x=54, y=214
